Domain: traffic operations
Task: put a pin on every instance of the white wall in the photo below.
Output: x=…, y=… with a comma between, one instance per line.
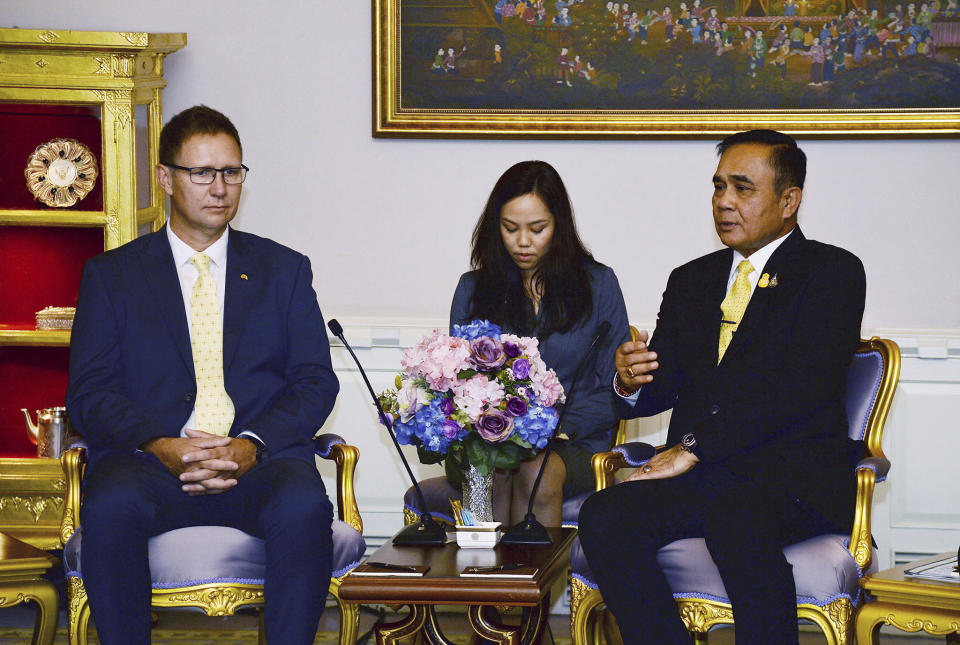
x=387, y=222
x=295, y=78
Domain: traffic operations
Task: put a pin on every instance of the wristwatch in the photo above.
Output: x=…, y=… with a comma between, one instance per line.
x=688, y=443
x=261, y=447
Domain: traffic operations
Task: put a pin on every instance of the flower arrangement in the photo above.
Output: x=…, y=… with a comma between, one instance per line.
x=477, y=397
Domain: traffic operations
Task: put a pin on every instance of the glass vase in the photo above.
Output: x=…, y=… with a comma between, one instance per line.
x=478, y=494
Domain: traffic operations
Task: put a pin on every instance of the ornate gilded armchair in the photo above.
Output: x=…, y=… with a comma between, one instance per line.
x=437, y=491
x=826, y=568
x=218, y=586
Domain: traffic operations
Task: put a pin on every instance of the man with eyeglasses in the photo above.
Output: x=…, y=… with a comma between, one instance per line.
x=199, y=373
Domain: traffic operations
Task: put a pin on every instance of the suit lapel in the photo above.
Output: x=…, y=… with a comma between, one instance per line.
x=240, y=293
x=759, y=309
x=166, y=295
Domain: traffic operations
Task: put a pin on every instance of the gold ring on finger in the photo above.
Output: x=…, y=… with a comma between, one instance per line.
x=630, y=372
x=647, y=469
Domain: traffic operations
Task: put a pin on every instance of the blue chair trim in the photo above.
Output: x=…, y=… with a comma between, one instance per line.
x=209, y=581
x=585, y=580
x=874, y=355
x=347, y=569
x=323, y=444
x=435, y=515
x=569, y=525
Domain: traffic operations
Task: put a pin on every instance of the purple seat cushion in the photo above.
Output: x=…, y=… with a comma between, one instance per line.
x=238, y=557
x=823, y=570
x=437, y=491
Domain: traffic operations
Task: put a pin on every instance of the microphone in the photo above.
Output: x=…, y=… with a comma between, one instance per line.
x=530, y=531
x=426, y=532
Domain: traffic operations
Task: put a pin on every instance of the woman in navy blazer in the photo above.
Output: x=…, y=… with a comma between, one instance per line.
x=533, y=277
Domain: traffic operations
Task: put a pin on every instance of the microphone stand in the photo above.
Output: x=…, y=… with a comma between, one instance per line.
x=426, y=532
x=530, y=531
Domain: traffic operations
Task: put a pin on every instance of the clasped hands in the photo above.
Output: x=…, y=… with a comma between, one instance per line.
x=635, y=364
x=207, y=464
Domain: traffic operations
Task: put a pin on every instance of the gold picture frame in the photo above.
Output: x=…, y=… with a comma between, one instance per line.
x=395, y=115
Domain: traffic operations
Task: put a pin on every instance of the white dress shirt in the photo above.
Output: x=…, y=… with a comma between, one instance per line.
x=188, y=273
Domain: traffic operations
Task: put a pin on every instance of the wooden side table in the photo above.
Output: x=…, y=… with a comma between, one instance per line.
x=21, y=580
x=909, y=604
x=442, y=585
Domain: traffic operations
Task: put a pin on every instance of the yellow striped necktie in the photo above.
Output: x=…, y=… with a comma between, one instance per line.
x=214, y=408
x=734, y=305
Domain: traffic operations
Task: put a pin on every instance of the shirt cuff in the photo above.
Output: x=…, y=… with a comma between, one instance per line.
x=249, y=433
x=629, y=398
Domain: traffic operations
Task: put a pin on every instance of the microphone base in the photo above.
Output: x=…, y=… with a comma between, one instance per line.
x=423, y=533
x=529, y=532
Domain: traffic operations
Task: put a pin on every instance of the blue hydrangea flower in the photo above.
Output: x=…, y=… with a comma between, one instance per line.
x=536, y=426
x=476, y=329
x=429, y=422
x=406, y=432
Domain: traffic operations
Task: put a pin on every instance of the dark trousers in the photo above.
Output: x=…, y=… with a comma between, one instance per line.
x=130, y=498
x=745, y=524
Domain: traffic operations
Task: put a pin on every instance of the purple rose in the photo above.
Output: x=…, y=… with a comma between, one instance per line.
x=446, y=406
x=494, y=426
x=487, y=353
x=516, y=407
x=512, y=350
x=521, y=369
x=451, y=428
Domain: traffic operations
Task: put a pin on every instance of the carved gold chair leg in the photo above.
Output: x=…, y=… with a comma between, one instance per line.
x=349, y=622
x=608, y=628
x=78, y=612
x=700, y=638
x=835, y=620
x=583, y=600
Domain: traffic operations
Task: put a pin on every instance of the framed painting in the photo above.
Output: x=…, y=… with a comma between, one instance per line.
x=665, y=68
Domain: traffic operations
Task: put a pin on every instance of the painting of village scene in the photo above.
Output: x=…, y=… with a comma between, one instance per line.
x=679, y=54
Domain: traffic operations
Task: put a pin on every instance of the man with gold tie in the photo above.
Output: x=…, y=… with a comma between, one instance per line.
x=750, y=352
x=199, y=373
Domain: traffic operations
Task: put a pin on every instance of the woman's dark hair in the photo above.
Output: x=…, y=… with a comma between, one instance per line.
x=561, y=278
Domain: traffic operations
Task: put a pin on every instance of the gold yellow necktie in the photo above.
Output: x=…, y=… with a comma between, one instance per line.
x=214, y=408
x=734, y=305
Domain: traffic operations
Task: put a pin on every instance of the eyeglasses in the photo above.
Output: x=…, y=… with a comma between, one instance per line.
x=201, y=175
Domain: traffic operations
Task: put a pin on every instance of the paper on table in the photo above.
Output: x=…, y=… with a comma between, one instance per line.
x=942, y=570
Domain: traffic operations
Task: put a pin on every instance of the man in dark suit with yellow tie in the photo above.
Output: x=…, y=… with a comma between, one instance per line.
x=750, y=352
x=199, y=372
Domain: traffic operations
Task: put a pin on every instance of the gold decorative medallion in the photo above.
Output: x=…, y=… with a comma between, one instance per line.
x=61, y=172
x=764, y=281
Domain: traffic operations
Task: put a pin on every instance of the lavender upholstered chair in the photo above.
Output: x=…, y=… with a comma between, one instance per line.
x=222, y=582
x=826, y=568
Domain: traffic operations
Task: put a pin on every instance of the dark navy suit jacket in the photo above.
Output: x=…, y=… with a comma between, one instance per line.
x=773, y=409
x=131, y=366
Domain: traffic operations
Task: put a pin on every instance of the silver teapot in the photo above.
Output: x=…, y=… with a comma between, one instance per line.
x=51, y=433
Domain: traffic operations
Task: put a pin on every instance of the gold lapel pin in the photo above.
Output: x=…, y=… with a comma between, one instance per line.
x=243, y=276
x=764, y=281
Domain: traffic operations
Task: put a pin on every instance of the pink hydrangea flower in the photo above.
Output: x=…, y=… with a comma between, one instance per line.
x=545, y=383
x=471, y=395
x=438, y=358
